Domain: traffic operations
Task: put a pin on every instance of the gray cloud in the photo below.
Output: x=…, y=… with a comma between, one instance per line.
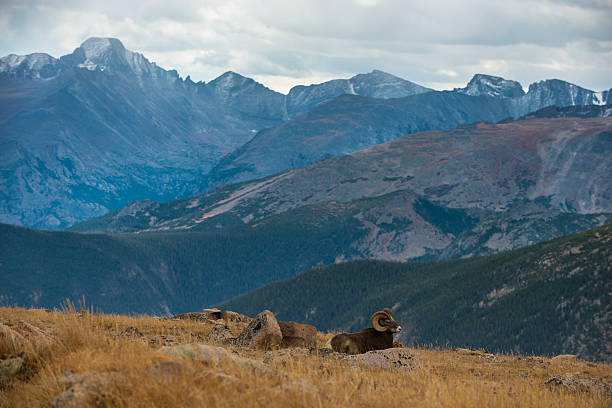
x=281, y=43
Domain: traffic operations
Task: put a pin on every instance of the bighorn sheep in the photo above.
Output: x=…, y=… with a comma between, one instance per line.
x=378, y=337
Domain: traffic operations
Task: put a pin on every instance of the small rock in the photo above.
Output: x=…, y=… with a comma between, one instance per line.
x=10, y=368
x=565, y=357
x=298, y=335
x=327, y=344
x=16, y=342
x=225, y=379
x=478, y=353
x=198, y=352
x=196, y=316
x=283, y=356
x=168, y=369
x=571, y=382
x=252, y=364
x=131, y=331
x=230, y=316
x=86, y=389
x=220, y=334
x=324, y=352
x=300, y=385
x=213, y=313
x=469, y=352
x=263, y=333
x=394, y=357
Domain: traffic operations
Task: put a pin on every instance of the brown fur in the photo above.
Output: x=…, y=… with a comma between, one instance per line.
x=362, y=342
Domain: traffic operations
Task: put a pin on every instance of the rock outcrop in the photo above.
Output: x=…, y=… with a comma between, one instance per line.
x=573, y=382
x=86, y=389
x=208, y=355
x=263, y=333
x=220, y=334
x=401, y=358
x=298, y=335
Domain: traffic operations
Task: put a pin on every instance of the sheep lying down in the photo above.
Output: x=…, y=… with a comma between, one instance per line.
x=378, y=337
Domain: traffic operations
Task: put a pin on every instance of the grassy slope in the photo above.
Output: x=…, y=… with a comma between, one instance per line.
x=125, y=348
x=553, y=297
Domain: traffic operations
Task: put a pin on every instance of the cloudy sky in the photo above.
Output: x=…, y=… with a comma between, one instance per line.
x=281, y=43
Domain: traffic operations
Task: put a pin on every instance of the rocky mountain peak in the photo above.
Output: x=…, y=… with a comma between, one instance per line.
x=561, y=93
x=489, y=85
x=556, y=85
x=246, y=95
x=109, y=54
x=37, y=65
x=230, y=80
x=380, y=84
x=97, y=47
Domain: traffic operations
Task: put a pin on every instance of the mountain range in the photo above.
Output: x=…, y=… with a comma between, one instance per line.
x=474, y=190
x=103, y=126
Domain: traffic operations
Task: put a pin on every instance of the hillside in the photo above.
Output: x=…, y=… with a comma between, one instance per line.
x=77, y=358
x=480, y=166
x=477, y=189
x=172, y=272
x=551, y=298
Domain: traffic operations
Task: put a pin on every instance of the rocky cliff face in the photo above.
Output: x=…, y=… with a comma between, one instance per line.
x=489, y=85
x=376, y=84
x=555, y=92
x=246, y=96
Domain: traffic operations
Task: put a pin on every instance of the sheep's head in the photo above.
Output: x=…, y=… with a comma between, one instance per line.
x=383, y=321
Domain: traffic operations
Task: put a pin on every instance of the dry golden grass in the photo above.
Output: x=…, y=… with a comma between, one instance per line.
x=123, y=349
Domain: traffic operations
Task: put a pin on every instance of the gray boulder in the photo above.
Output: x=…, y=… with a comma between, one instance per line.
x=86, y=389
x=263, y=333
x=401, y=358
x=298, y=335
x=220, y=334
x=10, y=368
x=209, y=355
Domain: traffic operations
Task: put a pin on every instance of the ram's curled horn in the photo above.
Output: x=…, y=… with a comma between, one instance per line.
x=375, y=319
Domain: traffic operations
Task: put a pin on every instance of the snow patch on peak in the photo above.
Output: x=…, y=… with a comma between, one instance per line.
x=109, y=54
x=32, y=61
x=598, y=98
x=36, y=65
x=97, y=52
x=351, y=89
x=230, y=78
x=98, y=46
